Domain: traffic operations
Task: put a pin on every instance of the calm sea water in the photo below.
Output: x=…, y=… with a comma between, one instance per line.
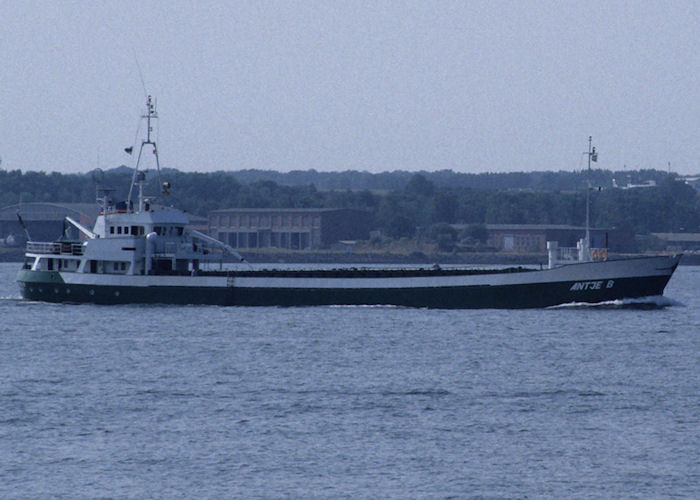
x=350, y=402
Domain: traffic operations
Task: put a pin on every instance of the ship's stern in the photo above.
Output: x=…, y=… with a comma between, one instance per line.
x=41, y=285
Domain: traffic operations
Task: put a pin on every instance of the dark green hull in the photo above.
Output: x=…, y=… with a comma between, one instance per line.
x=48, y=286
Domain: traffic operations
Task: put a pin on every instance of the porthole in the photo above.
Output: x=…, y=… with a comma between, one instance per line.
x=92, y=292
x=116, y=293
x=55, y=290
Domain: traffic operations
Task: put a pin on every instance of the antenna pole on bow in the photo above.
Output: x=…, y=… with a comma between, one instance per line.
x=592, y=156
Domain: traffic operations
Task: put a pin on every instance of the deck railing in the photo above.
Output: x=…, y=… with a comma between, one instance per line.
x=55, y=247
x=569, y=255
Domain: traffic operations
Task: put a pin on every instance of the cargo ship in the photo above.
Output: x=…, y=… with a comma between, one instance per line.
x=140, y=252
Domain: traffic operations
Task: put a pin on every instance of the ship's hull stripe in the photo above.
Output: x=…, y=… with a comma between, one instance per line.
x=580, y=272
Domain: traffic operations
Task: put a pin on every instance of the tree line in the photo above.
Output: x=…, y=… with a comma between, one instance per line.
x=396, y=180
x=415, y=200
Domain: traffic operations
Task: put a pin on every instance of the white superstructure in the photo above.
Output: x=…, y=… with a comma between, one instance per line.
x=128, y=240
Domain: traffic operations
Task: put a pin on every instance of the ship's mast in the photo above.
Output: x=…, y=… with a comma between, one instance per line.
x=139, y=177
x=592, y=156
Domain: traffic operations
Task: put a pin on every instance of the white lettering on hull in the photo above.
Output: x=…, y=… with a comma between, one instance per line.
x=591, y=285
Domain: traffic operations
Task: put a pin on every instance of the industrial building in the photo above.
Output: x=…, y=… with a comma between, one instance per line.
x=525, y=238
x=687, y=242
x=43, y=221
x=289, y=228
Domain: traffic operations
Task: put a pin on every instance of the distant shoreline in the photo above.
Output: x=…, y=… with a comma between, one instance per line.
x=416, y=258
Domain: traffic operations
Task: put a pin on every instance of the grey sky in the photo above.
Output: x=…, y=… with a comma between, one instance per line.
x=470, y=86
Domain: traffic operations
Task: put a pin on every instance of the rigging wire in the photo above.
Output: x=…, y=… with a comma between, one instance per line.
x=136, y=136
x=138, y=66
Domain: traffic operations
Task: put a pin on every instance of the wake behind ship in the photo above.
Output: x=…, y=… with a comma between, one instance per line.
x=145, y=253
